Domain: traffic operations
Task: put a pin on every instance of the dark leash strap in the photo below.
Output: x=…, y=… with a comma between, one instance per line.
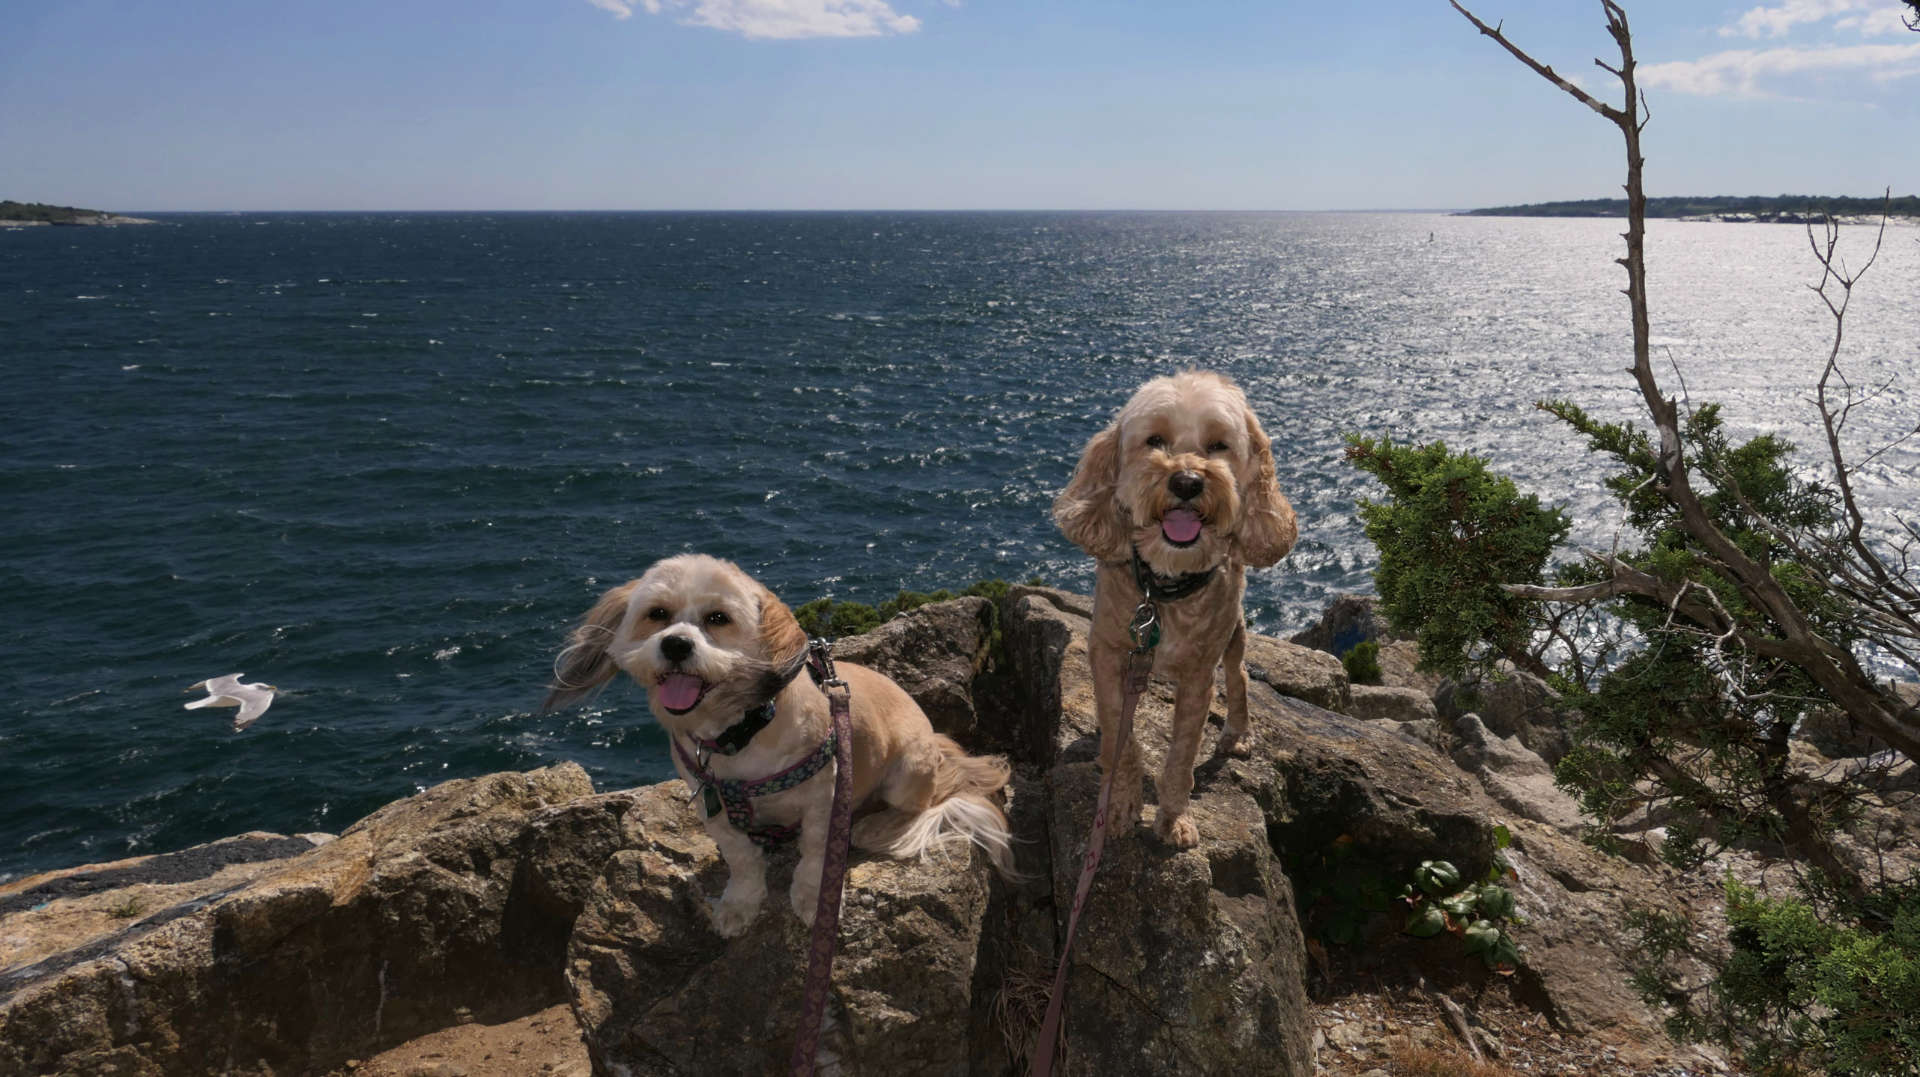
x=1145, y=629
x=833, y=869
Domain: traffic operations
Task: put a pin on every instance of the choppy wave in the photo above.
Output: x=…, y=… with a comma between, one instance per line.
x=410, y=450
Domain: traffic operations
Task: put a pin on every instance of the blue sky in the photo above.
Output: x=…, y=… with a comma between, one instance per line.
x=933, y=104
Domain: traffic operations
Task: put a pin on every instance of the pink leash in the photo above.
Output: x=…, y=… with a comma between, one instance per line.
x=1146, y=633
x=833, y=873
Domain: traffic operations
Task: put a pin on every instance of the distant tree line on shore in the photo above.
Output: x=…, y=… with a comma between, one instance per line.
x=1785, y=207
x=40, y=211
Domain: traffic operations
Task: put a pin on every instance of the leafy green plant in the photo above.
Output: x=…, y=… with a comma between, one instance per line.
x=1362, y=662
x=1438, y=901
x=1450, y=534
x=1798, y=992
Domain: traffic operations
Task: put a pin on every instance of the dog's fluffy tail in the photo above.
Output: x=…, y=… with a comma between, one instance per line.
x=966, y=795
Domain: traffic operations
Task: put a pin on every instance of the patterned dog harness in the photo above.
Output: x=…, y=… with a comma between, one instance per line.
x=736, y=797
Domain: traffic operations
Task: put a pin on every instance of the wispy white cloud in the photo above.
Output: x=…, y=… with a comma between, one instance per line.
x=778, y=19
x=1819, y=48
x=1779, y=20
x=1879, y=21
x=1768, y=72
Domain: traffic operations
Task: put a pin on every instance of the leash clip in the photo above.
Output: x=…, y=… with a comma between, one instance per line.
x=820, y=654
x=703, y=789
x=1144, y=628
x=709, y=799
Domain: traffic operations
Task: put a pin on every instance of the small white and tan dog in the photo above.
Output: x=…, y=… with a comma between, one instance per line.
x=1175, y=500
x=720, y=658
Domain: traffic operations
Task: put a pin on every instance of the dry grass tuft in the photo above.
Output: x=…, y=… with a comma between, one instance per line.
x=1021, y=1004
x=1413, y=1060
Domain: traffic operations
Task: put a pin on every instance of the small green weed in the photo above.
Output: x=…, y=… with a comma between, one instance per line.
x=1438, y=901
x=128, y=907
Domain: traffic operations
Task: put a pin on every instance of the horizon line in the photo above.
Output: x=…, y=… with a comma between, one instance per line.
x=791, y=209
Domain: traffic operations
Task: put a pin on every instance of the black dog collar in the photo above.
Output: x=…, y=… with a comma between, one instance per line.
x=1158, y=588
x=735, y=737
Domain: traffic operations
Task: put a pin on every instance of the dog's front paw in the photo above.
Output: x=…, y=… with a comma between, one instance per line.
x=1177, y=830
x=1237, y=745
x=731, y=915
x=805, y=896
x=1123, y=810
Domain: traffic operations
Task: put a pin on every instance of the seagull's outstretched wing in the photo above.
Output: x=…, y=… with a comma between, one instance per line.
x=228, y=691
x=219, y=692
x=258, y=698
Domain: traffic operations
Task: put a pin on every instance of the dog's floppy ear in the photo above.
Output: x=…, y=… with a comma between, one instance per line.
x=781, y=637
x=584, y=666
x=1086, y=510
x=1267, y=527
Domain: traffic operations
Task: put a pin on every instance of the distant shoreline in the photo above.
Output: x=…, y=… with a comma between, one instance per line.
x=40, y=214
x=107, y=220
x=1781, y=209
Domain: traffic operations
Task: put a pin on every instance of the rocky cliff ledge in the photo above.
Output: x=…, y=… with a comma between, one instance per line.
x=492, y=898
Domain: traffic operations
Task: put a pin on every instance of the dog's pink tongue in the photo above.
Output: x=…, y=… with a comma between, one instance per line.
x=1180, y=525
x=679, y=691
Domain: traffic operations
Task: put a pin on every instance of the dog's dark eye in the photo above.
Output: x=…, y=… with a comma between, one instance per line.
x=718, y=619
x=658, y=613
x=1156, y=442
x=1218, y=446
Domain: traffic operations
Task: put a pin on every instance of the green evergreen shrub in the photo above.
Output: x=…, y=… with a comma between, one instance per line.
x=1362, y=662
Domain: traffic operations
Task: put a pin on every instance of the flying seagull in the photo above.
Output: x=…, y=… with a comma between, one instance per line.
x=228, y=691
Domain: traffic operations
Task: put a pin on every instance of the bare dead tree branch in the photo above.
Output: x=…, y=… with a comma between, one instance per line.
x=1543, y=70
x=1829, y=664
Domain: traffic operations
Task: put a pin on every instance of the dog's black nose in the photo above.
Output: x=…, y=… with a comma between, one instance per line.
x=675, y=648
x=1186, y=485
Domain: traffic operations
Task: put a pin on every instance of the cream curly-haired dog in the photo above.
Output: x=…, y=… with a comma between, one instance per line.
x=1177, y=497
x=721, y=658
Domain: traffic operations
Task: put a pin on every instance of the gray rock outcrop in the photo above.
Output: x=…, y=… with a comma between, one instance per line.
x=1347, y=621
x=935, y=652
x=1353, y=619
x=1299, y=672
x=1380, y=703
x=1513, y=703
x=457, y=900
x=494, y=897
x=1187, y=961
x=1514, y=776
x=657, y=992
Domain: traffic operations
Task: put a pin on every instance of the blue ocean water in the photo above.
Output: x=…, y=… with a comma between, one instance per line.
x=383, y=461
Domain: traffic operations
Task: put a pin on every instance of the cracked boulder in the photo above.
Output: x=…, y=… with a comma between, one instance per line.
x=286, y=958
x=935, y=652
x=658, y=992
x=1187, y=961
x=1515, y=776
